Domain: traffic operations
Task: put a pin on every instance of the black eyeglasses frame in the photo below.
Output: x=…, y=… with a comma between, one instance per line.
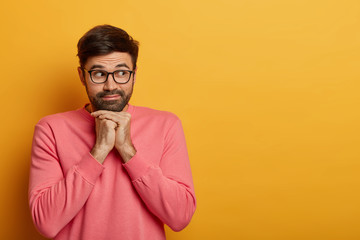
x=107, y=75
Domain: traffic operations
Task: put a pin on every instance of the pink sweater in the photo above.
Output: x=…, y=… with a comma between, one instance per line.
x=72, y=196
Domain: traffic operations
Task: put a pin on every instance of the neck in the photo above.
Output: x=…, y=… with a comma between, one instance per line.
x=89, y=108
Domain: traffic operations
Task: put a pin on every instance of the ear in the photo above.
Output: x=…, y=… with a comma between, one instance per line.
x=135, y=71
x=81, y=75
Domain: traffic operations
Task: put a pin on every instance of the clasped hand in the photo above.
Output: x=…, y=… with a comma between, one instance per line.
x=112, y=130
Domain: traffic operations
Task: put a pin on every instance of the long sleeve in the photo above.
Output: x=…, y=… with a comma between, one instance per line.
x=56, y=196
x=167, y=189
x=74, y=197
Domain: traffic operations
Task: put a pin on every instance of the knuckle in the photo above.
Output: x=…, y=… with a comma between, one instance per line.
x=128, y=115
x=108, y=122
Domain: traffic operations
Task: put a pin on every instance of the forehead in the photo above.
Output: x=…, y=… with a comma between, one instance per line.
x=110, y=60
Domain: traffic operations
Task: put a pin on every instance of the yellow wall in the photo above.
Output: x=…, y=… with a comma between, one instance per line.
x=268, y=92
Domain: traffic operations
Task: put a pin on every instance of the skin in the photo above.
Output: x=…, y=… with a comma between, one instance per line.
x=112, y=128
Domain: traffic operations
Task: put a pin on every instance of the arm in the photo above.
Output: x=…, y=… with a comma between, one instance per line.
x=56, y=197
x=166, y=190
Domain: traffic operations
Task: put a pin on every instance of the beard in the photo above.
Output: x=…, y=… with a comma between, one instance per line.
x=110, y=105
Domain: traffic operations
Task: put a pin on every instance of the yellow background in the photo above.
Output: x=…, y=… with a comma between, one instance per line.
x=267, y=90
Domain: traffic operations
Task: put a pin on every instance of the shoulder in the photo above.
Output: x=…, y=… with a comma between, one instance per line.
x=59, y=118
x=152, y=118
x=146, y=112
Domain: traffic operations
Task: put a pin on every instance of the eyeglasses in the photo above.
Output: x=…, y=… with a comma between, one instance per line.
x=101, y=76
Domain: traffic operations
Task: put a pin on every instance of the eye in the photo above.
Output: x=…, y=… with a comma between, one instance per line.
x=98, y=73
x=121, y=73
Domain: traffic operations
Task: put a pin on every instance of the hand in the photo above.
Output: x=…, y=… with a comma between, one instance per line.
x=123, y=142
x=105, y=139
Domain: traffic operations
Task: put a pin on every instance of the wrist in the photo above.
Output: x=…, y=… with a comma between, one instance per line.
x=126, y=152
x=99, y=153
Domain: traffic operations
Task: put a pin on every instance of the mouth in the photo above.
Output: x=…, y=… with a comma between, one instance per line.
x=111, y=97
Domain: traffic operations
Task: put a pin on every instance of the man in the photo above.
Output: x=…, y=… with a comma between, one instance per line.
x=109, y=170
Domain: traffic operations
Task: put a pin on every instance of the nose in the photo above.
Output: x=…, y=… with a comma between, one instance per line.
x=110, y=84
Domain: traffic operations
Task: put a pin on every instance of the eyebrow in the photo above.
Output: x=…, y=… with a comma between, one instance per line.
x=117, y=66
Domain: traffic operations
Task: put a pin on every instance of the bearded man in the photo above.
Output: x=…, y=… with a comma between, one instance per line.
x=109, y=170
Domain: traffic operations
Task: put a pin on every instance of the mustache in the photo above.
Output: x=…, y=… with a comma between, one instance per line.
x=112, y=92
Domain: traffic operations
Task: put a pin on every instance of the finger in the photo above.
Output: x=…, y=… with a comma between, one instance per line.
x=109, y=123
x=112, y=118
x=112, y=115
x=101, y=112
x=113, y=124
x=105, y=112
x=98, y=113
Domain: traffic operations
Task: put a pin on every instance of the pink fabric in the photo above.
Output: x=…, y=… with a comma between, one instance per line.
x=72, y=196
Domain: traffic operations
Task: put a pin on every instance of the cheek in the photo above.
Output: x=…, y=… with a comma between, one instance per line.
x=129, y=87
x=92, y=90
x=128, y=90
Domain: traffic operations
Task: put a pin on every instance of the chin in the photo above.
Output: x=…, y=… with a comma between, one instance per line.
x=114, y=107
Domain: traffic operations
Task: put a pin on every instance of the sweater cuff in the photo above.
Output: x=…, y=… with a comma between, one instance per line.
x=137, y=166
x=89, y=168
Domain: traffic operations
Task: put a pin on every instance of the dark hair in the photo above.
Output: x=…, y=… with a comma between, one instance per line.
x=105, y=39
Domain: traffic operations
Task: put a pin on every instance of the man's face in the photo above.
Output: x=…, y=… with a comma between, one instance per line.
x=110, y=95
